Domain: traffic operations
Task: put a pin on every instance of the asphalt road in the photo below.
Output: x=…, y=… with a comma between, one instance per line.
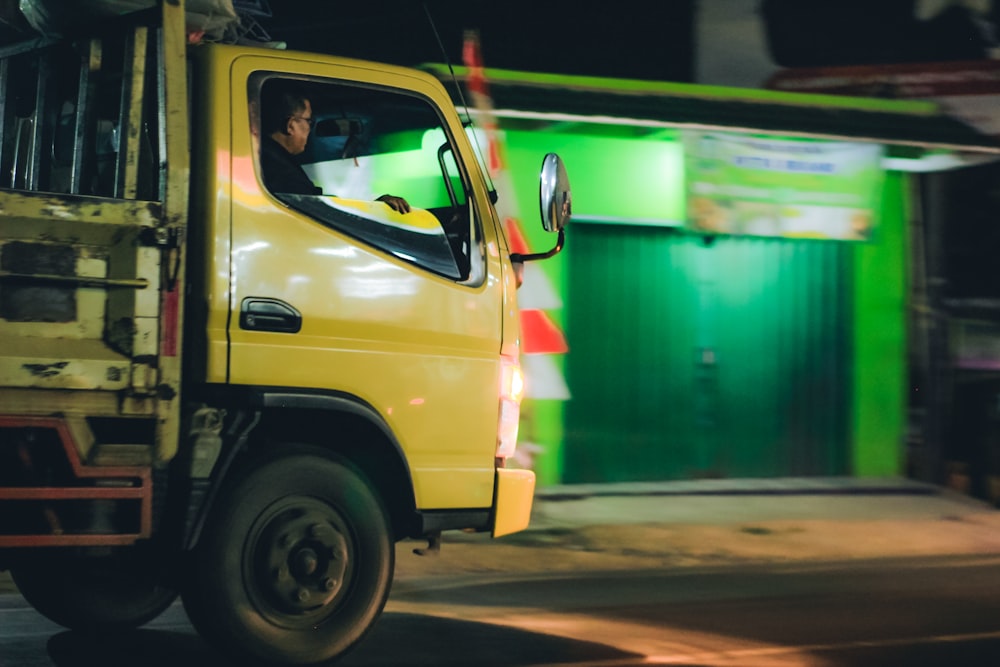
x=913, y=612
x=939, y=611
x=615, y=581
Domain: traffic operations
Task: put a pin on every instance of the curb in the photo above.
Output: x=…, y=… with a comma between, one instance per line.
x=737, y=487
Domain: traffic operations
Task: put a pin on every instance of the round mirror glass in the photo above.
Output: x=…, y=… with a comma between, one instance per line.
x=556, y=201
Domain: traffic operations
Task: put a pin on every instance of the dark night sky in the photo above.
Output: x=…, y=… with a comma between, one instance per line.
x=625, y=39
x=642, y=39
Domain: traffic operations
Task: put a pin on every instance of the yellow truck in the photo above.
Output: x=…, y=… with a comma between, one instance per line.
x=242, y=396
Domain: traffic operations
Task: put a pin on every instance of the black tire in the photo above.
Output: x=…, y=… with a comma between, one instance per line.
x=94, y=593
x=295, y=563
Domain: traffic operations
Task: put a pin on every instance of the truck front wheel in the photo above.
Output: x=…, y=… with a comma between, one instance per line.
x=295, y=562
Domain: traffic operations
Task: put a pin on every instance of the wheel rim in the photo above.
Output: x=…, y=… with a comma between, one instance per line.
x=298, y=562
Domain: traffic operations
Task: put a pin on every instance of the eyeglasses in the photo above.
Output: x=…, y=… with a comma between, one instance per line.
x=311, y=121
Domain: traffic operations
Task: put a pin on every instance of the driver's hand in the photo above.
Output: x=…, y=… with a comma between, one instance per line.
x=397, y=204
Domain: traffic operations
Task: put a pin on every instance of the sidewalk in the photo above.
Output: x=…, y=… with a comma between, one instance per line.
x=730, y=501
x=724, y=523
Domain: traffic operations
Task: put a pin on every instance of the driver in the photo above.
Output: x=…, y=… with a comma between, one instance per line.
x=287, y=120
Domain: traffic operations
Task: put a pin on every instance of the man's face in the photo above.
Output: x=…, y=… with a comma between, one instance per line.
x=299, y=127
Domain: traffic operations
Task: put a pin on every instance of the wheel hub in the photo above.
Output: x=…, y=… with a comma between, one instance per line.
x=301, y=559
x=304, y=562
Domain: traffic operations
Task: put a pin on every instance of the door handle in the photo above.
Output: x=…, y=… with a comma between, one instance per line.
x=265, y=314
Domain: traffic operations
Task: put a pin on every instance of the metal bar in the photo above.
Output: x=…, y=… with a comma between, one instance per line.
x=71, y=493
x=141, y=475
x=4, y=74
x=38, y=124
x=124, y=102
x=41, y=208
x=9, y=541
x=15, y=165
x=163, y=152
x=130, y=114
x=176, y=143
x=84, y=128
x=27, y=46
x=68, y=443
x=82, y=281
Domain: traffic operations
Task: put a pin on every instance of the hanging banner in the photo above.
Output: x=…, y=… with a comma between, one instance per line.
x=798, y=188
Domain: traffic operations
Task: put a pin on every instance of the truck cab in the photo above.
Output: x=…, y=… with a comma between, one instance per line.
x=216, y=387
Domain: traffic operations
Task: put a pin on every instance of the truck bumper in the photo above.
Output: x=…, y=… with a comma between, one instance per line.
x=515, y=491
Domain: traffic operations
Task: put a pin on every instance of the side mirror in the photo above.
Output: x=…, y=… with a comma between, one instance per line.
x=556, y=205
x=555, y=198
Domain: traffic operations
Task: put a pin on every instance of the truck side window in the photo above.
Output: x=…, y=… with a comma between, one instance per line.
x=330, y=150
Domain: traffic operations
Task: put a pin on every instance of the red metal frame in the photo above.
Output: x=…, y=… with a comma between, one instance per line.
x=139, y=476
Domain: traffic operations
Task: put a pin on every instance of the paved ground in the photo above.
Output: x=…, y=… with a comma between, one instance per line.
x=714, y=523
x=725, y=522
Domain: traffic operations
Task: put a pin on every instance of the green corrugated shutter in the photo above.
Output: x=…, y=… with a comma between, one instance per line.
x=689, y=359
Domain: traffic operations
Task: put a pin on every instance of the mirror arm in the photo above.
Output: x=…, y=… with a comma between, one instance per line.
x=517, y=257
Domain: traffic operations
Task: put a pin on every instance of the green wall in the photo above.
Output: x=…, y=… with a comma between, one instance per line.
x=880, y=371
x=843, y=304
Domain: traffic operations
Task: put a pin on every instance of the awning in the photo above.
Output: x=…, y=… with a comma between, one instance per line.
x=912, y=130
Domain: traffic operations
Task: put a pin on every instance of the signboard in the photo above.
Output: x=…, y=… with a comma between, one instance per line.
x=767, y=186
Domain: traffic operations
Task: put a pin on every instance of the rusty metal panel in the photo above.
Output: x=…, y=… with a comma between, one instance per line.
x=91, y=269
x=22, y=301
x=49, y=496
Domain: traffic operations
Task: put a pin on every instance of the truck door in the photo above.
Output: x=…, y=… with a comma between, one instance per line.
x=338, y=294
